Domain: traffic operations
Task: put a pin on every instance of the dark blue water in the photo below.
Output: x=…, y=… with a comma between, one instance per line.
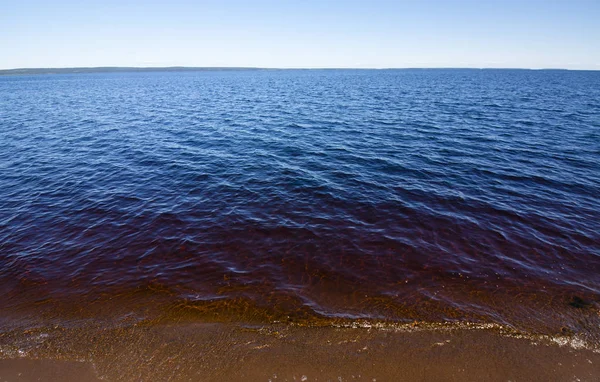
x=435, y=195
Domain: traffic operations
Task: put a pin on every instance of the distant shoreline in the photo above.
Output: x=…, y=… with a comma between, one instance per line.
x=118, y=69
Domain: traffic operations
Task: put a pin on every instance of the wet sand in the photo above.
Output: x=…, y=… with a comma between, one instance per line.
x=22, y=369
x=227, y=352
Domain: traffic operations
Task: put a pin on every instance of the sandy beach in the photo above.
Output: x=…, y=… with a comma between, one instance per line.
x=219, y=352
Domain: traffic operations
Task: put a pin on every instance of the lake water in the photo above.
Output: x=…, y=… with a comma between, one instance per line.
x=437, y=196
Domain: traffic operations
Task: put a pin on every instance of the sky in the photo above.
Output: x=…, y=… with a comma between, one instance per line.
x=301, y=33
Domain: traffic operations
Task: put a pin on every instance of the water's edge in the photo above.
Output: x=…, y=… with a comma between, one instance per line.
x=357, y=350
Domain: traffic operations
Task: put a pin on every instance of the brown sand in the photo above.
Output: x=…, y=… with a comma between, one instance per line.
x=22, y=369
x=224, y=352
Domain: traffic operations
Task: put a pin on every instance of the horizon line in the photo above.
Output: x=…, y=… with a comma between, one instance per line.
x=92, y=69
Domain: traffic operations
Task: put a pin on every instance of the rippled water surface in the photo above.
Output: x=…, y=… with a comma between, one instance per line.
x=430, y=195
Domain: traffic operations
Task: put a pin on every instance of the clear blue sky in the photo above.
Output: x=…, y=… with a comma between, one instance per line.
x=301, y=33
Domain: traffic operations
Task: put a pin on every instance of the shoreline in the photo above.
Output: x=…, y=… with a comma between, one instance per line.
x=279, y=352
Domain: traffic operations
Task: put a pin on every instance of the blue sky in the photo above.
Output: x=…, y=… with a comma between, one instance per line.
x=375, y=33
